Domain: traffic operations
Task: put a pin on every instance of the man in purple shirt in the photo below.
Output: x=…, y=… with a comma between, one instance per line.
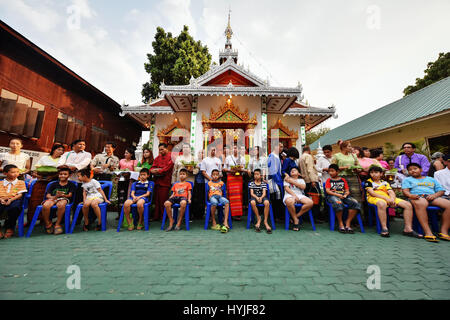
x=410, y=157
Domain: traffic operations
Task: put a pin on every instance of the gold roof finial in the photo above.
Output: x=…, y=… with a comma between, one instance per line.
x=228, y=30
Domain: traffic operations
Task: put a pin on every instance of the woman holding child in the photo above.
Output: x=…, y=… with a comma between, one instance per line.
x=347, y=163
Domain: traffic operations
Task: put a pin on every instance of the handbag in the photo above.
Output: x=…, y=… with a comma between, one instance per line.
x=314, y=195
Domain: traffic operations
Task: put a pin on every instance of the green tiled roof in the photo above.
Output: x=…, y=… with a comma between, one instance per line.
x=432, y=99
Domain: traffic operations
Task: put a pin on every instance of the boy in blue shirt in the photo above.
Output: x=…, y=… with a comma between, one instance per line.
x=140, y=192
x=422, y=192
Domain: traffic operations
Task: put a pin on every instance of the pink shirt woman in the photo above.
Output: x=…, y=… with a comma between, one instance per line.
x=128, y=162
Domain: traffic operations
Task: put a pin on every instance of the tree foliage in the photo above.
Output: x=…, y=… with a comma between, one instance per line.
x=435, y=71
x=312, y=136
x=174, y=60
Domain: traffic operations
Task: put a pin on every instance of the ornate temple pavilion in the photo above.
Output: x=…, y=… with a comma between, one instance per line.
x=222, y=100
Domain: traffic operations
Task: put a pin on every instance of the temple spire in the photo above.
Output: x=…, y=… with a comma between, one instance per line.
x=228, y=30
x=228, y=53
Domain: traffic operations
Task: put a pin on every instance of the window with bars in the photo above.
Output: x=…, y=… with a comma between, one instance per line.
x=69, y=129
x=98, y=139
x=20, y=115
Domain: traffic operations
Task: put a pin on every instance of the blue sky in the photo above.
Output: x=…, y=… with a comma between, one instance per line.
x=356, y=54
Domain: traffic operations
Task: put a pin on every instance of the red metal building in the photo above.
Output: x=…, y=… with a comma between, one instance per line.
x=43, y=102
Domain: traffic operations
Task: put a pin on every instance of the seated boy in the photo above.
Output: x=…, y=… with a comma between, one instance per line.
x=380, y=193
x=422, y=192
x=58, y=194
x=93, y=195
x=293, y=195
x=258, y=195
x=140, y=191
x=181, y=194
x=338, y=194
x=11, y=192
x=216, y=198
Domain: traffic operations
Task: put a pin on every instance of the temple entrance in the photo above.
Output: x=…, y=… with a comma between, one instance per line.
x=230, y=124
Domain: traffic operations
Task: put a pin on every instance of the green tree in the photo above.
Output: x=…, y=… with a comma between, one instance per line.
x=435, y=71
x=312, y=136
x=174, y=60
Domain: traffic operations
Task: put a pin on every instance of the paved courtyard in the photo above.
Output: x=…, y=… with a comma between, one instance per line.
x=242, y=264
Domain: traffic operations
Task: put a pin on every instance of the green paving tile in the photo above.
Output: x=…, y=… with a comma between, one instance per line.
x=199, y=264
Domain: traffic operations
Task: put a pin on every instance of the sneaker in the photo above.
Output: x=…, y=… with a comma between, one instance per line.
x=216, y=227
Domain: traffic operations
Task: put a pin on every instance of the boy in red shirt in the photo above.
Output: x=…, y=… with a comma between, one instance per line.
x=181, y=194
x=338, y=194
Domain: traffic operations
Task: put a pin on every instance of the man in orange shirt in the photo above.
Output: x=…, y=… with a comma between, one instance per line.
x=11, y=193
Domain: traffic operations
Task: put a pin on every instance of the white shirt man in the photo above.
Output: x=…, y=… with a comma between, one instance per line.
x=76, y=159
x=209, y=164
x=231, y=161
x=323, y=163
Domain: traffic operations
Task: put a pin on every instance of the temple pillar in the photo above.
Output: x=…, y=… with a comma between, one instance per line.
x=264, y=124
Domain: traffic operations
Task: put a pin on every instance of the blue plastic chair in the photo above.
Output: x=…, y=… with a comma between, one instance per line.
x=103, y=206
x=432, y=212
x=175, y=208
x=373, y=208
x=251, y=215
x=297, y=208
x=219, y=207
x=25, y=200
x=344, y=214
x=66, y=212
x=134, y=210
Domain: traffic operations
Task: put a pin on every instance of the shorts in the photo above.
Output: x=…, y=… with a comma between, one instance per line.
x=58, y=200
x=91, y=198
x=264, y=199
x=217, y=200
x=145, y=198
x=287, y=196
x=338, y=204
x=374, y=200
x=177, y=200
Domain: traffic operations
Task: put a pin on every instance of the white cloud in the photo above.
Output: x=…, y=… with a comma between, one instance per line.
x=39, y=16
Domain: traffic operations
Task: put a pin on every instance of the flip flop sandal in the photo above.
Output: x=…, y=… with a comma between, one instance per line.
x=50, y=229
x=431, y=239
x=257, y=229
x=385, y=233
x=1, y=235
x=445, y=237
x=58, y=230
x=9, y=234
x=296, y=227
x=269, y=231
x=177, y=228
x=169, y=229
x=224, y=229
x=140, y=226
x=350, y=230
x=413, y=234
x=86, y=227
x=98, y=227
x=342, y=230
